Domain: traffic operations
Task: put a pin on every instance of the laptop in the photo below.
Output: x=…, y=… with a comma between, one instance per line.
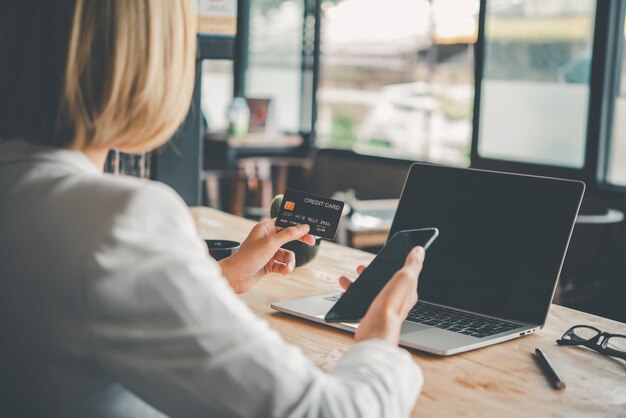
x=491, y=274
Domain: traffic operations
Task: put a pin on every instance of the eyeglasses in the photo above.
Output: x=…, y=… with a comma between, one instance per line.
x=613, y=345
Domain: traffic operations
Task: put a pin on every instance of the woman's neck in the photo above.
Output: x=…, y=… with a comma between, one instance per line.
x=97, y=156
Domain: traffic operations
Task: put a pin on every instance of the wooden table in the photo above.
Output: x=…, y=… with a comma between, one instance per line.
x=498, y=381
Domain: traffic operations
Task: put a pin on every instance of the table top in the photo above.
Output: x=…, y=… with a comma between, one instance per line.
x=501, y=380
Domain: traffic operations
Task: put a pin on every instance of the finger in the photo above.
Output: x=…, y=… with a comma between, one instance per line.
x=308, y=239
x=292, y=233
x=344, y=282
x=360, y=269
x=282, y=255
x=401, y=291
x=263, y=228
x=281, y=268
x=286, y=257
x=414, y=261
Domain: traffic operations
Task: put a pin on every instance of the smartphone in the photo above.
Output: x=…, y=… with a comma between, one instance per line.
x=353, y=304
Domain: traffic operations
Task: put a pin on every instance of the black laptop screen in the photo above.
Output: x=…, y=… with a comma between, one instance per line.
x=502, y=238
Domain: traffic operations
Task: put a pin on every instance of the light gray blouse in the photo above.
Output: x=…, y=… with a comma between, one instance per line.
x=110, y=306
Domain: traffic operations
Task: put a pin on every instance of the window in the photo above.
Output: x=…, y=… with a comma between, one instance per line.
x=397, y=77
x=217, y=92
x=617, y=156
x=534, y=98
x=275, y=59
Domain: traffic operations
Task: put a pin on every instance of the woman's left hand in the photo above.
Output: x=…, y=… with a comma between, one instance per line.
x=260, y=254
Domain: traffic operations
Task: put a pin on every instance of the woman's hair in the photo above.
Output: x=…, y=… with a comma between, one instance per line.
x=95, y=73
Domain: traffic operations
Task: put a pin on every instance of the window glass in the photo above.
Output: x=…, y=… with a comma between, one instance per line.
x=535, y=88
x=617, y=155
x=397, y=77
x=217, y=92
x=275, y=56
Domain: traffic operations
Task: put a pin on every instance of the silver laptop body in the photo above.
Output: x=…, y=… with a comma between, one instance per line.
x=413, y=335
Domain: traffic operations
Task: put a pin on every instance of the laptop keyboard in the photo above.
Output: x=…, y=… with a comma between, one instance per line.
x=458, y=321
x=452, y=320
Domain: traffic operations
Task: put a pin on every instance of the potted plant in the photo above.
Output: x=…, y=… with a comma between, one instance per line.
x=304, y=252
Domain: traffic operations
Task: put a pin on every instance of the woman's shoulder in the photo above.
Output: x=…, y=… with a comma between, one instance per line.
x=133, y=216
x=122, y=196
x=136, y=190
x=103, y=207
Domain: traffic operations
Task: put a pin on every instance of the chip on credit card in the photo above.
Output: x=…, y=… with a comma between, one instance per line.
x=320, y=213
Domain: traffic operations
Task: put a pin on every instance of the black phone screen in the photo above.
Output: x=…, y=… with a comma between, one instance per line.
x=353, y=304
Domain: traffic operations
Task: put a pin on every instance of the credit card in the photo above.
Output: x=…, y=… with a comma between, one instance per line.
x=320, y=213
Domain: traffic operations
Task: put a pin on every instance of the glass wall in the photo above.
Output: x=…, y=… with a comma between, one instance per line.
x=535, y=86
x=397, y=77
x=617, y=148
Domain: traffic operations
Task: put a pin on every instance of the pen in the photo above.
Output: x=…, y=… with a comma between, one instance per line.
x=547, y=368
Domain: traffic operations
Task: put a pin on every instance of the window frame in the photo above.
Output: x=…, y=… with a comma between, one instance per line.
x=612, y=75
x=309, y=60
x=606, y=64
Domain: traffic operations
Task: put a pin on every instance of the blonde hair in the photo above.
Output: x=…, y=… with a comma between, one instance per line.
x=124, y=79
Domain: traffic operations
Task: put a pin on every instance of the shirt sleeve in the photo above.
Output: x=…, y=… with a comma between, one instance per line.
x=165, y=324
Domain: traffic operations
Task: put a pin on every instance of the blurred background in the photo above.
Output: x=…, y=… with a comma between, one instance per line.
x=339, y=97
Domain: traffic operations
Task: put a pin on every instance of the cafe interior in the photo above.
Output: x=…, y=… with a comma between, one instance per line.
x=346, y=99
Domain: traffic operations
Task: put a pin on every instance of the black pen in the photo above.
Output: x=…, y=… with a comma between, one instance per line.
x=547, y=368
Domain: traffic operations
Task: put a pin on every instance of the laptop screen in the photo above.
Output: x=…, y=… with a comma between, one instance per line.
x=502, y=238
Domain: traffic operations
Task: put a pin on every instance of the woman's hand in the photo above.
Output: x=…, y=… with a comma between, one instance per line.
x=260, y=254
x=392, y=305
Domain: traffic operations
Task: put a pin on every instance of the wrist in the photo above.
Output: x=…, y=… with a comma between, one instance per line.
x=226, y=267
x=387, y=328
x=392, y=336
x=229, y=271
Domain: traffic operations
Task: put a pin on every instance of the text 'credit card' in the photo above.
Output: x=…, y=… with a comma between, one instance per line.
x=320, y=213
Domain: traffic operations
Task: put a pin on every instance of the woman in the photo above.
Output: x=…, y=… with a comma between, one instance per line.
x=110, y=305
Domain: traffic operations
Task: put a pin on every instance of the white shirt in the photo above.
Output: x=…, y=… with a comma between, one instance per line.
x=110, y=306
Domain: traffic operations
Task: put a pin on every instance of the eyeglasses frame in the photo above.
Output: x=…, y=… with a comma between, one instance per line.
x=597, y=343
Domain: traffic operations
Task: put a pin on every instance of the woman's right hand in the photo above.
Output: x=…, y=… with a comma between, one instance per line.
x=392, y=305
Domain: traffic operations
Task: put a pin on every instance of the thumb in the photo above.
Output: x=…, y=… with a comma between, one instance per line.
x=292, y=233
x=415, y=258
x=401, y=290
